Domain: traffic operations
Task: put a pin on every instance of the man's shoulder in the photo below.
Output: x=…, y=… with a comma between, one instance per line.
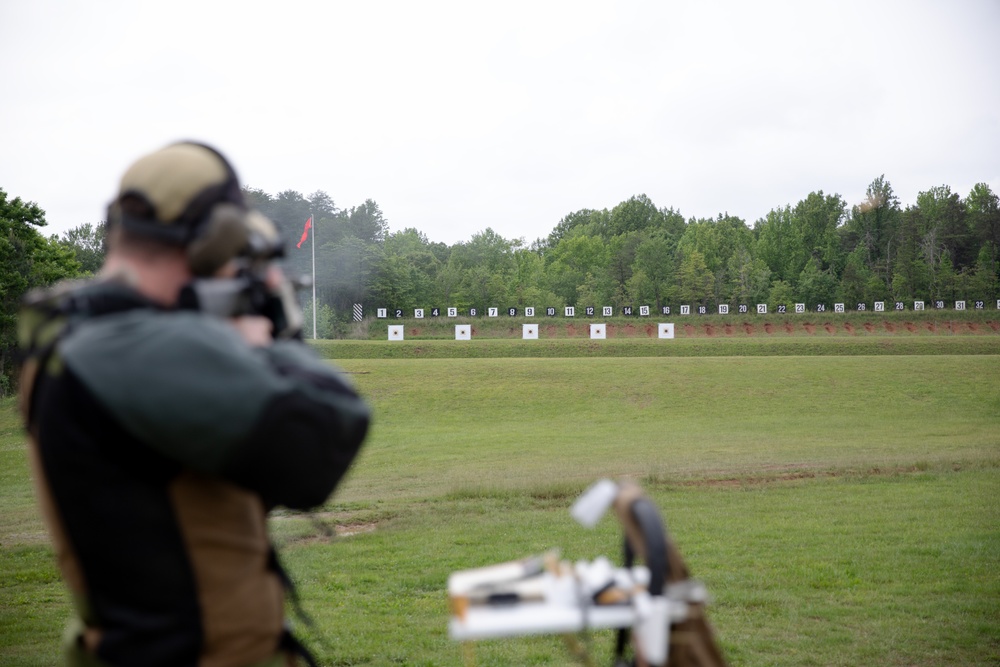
x=149, y=333
x=137, y=347
x=182, y=382
x=82, y=299
x=49, y=315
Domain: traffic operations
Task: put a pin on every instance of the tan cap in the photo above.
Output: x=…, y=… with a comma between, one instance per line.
x=170, y=194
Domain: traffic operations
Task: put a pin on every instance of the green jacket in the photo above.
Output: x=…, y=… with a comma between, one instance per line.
x=159, y=441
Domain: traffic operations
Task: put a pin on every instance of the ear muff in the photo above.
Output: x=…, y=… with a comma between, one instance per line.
x=184, y=194
x=223, y=236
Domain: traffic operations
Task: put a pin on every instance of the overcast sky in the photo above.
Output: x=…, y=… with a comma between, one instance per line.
x=458, y=116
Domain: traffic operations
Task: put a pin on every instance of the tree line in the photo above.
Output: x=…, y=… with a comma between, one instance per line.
x=820, y=250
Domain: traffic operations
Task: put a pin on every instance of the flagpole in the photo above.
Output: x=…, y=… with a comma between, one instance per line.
x=314, y=271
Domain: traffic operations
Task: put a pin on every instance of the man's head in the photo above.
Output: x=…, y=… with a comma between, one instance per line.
x=184, y=197
x=179, y=214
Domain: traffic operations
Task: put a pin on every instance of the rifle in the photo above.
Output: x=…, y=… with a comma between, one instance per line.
x=249, y=292
x=657, y=603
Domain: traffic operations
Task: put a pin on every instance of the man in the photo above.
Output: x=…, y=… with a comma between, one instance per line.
x=161, y=435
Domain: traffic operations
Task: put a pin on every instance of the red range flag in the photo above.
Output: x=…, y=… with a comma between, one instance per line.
x=305, y=232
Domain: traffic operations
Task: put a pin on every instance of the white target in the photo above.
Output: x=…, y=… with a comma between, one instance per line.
x=463, y=332
x=529, y=332
x=666, y=330
x=598, y=331
x=395, y=332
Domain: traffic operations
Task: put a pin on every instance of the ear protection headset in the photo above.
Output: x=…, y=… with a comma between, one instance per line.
x=186, y=194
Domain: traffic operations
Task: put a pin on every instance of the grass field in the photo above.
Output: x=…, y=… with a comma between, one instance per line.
x=842, y=508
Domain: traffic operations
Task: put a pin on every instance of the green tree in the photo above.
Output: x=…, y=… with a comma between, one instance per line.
x=586, y=221
x=487, y=268
x=875, y=289
x=289, y=211
x=366, y=222
x=782, y=294
x=258, y=199
x=788, y=238
x=392, y=286
x=946, y=283
x=779, y=244
x=344, y=271
x=325, y=321
x=528, y=280
x=694, y=280
x=716, y=240
x=592, y=291
x=406, y=241
x=983, y=209
x=854, y=279
x=409, y=261
x=449, y=277
x=872, y=227
x=568, y=264
x=749, y=278
x=943, y=212
x=816, y=220
x=653, y=270
x=636, y=214
x=816, y=286
x=911, y=274
x=984, y=283
x=621, y=256
x=27, y=260
x=87, y=242
x=672, y=224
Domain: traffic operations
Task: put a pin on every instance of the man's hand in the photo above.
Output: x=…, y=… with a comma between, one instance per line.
x=254, y=329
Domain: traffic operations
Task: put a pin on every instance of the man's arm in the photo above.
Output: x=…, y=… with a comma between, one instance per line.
x=274, y=419
x=305, y=440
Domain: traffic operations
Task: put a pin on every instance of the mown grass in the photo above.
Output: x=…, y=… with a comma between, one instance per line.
x=896, y=569
x=443, y=424
x=570, y=348
x=841, y=509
